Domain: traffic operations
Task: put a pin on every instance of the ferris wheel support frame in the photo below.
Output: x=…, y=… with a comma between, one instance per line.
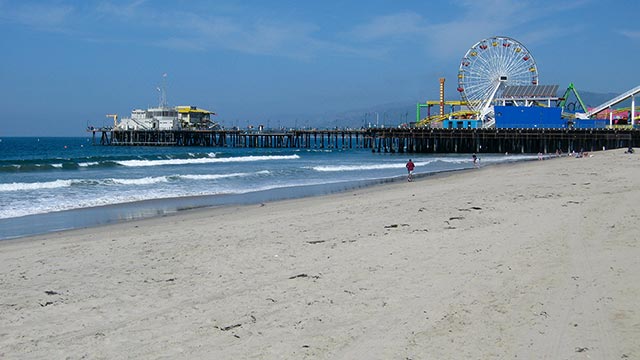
x=487, y=108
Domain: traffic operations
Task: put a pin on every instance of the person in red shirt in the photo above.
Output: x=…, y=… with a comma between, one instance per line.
x=410, y=166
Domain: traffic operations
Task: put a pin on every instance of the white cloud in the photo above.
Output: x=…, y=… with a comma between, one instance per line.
x=180, y=43
x=632, y=34
x=440, y=38
x=263, y=34
x=50, y=17
x=446, y=35
x=272, y=38
x=393, y=25
x=443, y=35
x=128, y=10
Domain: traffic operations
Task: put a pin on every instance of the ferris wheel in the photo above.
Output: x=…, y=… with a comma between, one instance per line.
x=490, y=63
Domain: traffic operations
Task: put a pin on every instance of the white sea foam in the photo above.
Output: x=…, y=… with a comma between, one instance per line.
x=330, y=168
x=508, y=158
x=61, y=205
x=209, y=160
x=193, y=155
x=67, y=183
x=87, y=164
x=141, y=181
x=119, y=181
x=35, y=186
x=220, y=176
x=212, y=176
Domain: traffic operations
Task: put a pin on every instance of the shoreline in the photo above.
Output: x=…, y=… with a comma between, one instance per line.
x=44, y=223
x=528, y=259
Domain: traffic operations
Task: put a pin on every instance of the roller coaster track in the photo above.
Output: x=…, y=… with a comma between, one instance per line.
x=438, y=118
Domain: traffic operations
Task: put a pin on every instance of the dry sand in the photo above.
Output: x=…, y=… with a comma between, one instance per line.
x=535, y=260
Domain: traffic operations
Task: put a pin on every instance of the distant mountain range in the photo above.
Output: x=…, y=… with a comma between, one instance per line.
x=592, y=99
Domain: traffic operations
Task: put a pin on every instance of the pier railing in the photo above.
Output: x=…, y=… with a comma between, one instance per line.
x=400, y=140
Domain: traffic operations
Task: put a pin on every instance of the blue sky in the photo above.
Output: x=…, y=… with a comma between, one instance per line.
x=68, y=63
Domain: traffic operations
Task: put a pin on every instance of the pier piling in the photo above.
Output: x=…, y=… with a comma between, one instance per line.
x=404, y=140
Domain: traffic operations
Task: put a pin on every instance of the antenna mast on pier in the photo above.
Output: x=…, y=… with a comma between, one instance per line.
x=163, y=92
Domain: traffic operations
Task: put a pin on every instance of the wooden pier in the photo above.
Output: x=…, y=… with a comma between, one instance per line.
x=408, y=140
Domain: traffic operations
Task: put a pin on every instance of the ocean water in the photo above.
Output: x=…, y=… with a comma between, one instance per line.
x=49, y=184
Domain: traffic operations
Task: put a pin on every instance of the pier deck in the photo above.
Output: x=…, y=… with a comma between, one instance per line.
x=410, y=140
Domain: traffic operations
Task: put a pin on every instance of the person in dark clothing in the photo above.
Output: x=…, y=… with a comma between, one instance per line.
x=410, y=166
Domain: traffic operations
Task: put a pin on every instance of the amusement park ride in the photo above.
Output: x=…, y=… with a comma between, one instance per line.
x=500, y=71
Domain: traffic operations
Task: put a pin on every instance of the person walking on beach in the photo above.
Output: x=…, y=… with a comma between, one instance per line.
x=410, y=166
x=476, y=160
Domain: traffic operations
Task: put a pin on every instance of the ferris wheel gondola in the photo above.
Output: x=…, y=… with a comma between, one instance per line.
x=490, y=63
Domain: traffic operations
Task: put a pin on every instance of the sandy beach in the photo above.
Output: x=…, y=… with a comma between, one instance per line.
x=535, y=260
